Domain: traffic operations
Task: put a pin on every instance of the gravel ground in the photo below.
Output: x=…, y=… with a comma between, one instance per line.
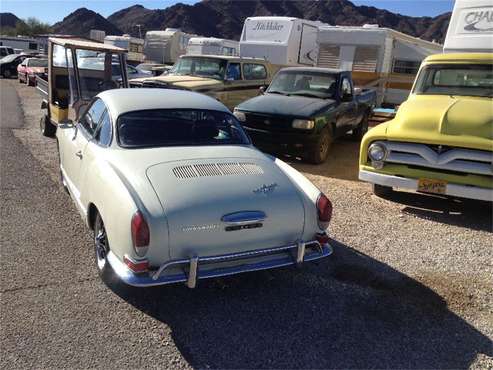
x=409, y=285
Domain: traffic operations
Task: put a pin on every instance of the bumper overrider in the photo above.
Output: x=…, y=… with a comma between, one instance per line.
x=191, y=269
x=461, y=191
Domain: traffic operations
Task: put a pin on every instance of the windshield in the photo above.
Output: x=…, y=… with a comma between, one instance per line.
x=198, y=66
x=178, y=127
x=37, y=63
x=458, y=79
x=311, y=84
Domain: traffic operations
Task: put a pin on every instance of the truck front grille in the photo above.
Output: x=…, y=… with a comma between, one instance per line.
x=458, y=160
x=268, y=122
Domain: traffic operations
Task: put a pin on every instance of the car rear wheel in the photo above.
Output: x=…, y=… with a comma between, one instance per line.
x=362, y=127
x=101, y=249
x=7, y=74
x=48, y=129
x=382, y=190
x=320, y=151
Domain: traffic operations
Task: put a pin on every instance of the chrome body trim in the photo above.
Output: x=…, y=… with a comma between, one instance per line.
x=462, y=191
x=455, y=159
x=244, y=217
x=196, y=267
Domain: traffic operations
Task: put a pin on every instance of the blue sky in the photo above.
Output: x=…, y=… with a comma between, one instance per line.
x=51, y=11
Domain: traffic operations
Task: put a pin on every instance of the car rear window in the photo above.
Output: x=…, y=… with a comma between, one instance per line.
x=178, y=127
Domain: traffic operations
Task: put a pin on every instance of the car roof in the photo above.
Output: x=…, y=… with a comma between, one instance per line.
x=457, y=57
x=313, y=69
x=227, y=57
x=120, y=101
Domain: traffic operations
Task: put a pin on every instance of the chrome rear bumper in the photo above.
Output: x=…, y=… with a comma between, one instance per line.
x=197, y=267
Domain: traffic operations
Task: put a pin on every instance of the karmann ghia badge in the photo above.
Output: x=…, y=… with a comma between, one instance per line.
x=266, y=189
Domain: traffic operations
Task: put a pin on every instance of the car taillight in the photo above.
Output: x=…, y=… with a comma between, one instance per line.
x=136, y=266
x=324, y=210
x=140, y=233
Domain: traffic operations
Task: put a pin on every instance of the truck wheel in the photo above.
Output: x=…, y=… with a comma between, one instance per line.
x=48, y=129
x=362, y=127
x=320, y=151
x=382, y=190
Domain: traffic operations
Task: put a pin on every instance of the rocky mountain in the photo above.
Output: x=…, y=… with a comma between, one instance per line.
x=8, y=20
x=224, y=18
x=82, y=21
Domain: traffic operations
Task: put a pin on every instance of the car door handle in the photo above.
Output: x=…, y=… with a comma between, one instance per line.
x=79, y=154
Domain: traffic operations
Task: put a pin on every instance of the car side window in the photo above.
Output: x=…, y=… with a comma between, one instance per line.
x=91, y=118
x=346, y=87
x=233, y=72
x=103, y=134
x=254, y=71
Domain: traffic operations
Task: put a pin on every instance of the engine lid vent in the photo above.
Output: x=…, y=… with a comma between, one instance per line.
x=217, y=169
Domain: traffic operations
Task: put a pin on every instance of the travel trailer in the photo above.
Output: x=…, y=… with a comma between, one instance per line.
x=212, y=46
x=165, y=46
x=27, y=45
x=471, y=27
x=134, y=45
x=378, y=57
x=281, y=40
x=97, y=35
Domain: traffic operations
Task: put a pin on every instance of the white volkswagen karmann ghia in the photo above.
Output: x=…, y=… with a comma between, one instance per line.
x=175, y=192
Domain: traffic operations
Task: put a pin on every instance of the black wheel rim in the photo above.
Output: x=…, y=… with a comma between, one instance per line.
x=101, y=245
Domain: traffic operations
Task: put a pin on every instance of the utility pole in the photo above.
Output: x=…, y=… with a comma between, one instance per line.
x=140, y=32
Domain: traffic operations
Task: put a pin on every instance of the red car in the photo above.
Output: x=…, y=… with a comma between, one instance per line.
x=30, y=68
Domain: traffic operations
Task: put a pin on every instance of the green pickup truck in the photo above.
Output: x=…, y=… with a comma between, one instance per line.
x=305, y=109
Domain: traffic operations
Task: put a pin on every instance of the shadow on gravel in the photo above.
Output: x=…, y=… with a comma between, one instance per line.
x=349, y=311
x=473, y=214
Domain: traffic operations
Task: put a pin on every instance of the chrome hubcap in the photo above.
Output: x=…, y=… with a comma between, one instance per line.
x=101, y=244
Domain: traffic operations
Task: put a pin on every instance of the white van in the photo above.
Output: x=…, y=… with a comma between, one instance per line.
x=212, y=46
x=471, y=27
x=378, y=57
x=281, y=40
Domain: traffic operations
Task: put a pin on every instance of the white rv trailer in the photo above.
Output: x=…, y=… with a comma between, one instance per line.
x=27, y=45
x=97, y=35
x=280, y=40
x=165, y=47
x=212, y=46
x=378, y=57
x=134, y=45
x=470, y=28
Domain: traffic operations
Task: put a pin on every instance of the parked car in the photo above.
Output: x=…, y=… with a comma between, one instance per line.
x=30, y=68
x=228, y=79
x=8, y=65
x=6, y=50
x=306, y=108
x=175, y=192
x=441, y=140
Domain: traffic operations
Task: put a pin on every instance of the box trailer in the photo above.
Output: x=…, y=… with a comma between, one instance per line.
x=165, y=47
x=212, y=46
x=470, y=28
x=134, y=45
x=281, y=40
x=378, y=57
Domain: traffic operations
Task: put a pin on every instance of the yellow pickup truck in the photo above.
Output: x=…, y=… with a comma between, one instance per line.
x=441, y=139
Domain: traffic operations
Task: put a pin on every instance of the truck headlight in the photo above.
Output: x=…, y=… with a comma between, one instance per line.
x=240, y=116
x=377, y=152
x=304, y=124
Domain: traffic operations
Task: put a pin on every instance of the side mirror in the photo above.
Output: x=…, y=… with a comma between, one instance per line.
x=261, y=90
